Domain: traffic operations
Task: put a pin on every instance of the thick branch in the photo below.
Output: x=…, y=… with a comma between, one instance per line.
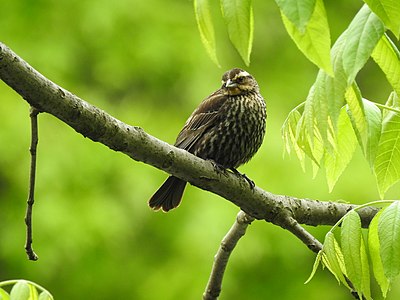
x=99, y=126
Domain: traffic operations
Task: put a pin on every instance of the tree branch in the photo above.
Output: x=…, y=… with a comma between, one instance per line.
x=99, y=126
x=228, y=243
x=32, y=176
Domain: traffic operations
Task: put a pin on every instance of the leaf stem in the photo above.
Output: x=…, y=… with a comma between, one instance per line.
x=383, y=106
x=360, y=207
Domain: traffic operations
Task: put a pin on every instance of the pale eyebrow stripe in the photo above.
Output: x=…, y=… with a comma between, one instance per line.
x=243, y=74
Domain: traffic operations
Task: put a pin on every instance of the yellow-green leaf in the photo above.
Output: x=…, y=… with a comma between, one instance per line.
x=206, y=28
x=351, y=245
x=363, y=34
x=374, y=252
x=387, y=162
x=389, y=239
x=365, y=280
x=314, y=40
x=297, y=11
x=388, y=11
x=20, y=291
x=387, y=57
x=345, y=142
x=315, y=266
x=334, y=258
x=4, y=295
x=238, y=16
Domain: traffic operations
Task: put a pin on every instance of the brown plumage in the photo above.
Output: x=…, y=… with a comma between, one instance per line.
x=228, y=127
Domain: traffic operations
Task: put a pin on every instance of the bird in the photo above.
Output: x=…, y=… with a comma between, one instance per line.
x=227, y=128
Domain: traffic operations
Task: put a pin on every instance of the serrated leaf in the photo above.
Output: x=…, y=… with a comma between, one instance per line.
x=334, y=258
x=20, y=291
x=238, y=16
x=351, y=245
x=387, y=162
x=206, y=28
x=388, y=11
x=374, y=252
x=289, y=135
x=366, y=279
x=356, y=112
x=345, y=143
x=315, y=266
x=297, y=11
x=389, y=239
x=363, y=34
x=326, y=96
x=374, y=121
x=366, y=119
x=387, y=56
x=312, y=148
x=313, y=40
x=4, y=295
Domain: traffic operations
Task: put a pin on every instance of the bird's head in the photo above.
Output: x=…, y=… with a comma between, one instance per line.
x=238, y=82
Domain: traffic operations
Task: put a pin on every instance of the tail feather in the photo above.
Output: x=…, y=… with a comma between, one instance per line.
x=169, y=195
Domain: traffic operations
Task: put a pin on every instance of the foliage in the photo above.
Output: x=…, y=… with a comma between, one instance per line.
x=23, y=290
x=349, y=259
x=322, y=135
x=318, y=132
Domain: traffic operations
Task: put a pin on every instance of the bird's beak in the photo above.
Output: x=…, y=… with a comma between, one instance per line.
x=230, y=84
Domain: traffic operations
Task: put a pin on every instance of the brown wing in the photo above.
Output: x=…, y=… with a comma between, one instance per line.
x=200, y=121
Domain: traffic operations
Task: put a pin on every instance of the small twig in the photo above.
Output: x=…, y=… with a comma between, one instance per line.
x=228, y=243
x=302, y=234
x=32, y=176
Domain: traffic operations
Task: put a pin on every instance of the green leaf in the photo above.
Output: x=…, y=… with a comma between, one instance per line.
x=366, y=279
x=206, y=28
x=20, y=291
x=4, y=295
x=374, y=121
x=45, y=296
x=33, y=293
x=313, y=40
x=334, y=258
x=312, y=148
x=389, y=12
x=363, y=34
x=344, y=142
x=315, y=266
x=356, y=112
x=297, y=11
x=326, y=96
x=289, y=136
x=374, y=252
x=389, y=238
x=238, y=15
x=387, y=56
x=387, y=162
x=351, y=245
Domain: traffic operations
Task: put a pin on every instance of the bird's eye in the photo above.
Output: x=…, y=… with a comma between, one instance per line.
x=240, y=79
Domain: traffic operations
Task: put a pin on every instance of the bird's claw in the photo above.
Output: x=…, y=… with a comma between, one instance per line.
x=218, y=168
x=244, y=176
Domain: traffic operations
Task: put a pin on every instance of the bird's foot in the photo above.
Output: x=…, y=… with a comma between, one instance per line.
x=217, y=167
x=244, y=176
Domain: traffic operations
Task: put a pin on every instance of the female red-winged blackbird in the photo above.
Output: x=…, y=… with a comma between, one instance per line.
x=228, y=127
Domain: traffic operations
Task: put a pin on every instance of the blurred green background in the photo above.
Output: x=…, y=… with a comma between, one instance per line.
x=143, y=62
